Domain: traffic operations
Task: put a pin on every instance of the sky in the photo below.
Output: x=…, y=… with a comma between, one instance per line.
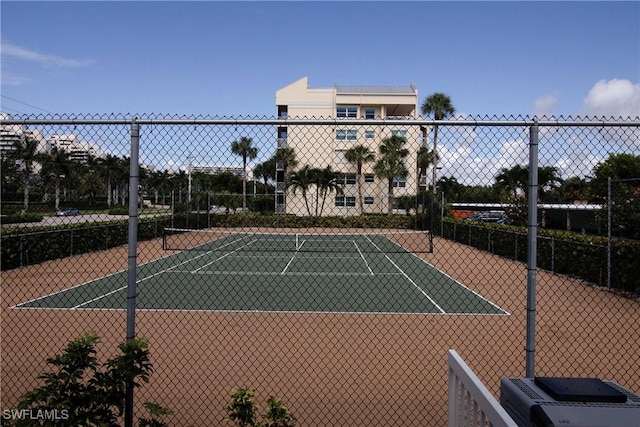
x=228, y=59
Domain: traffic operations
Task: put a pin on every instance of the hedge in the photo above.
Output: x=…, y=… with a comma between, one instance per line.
x=23, y=246
x=562, y=252
x=26, y=246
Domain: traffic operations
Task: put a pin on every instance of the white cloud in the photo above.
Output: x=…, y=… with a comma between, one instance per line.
x=613, y=98
x=578, y=163
x=545, y=104
x=11, y=79
x=46, y=60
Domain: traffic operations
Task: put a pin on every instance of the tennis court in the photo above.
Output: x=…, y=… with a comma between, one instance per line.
x=282, y=272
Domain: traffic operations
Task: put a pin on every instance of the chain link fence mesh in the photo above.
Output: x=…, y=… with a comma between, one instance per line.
x=316, y=262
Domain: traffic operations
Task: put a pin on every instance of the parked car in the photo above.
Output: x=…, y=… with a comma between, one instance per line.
x=487, y=216
x=68, y=212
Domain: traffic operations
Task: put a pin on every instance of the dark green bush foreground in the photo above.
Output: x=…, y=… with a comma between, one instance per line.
x=81, y=391
x=561, y=252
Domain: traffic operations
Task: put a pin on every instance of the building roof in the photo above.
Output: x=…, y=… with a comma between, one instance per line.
x=409, y=90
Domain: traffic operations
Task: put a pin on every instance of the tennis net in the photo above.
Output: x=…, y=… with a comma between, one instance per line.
x=414, y=241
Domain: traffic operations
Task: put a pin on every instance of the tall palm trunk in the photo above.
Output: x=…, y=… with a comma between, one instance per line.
x=57, y=190
x=26, y=188
x=390, y=199
x=244, y=184
x=435, y=160
x=359, y=182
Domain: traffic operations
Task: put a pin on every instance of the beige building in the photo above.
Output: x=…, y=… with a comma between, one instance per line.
x=325, y=145
x=78, y=150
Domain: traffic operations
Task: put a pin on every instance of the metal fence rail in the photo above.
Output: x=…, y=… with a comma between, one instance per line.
x=354, y=335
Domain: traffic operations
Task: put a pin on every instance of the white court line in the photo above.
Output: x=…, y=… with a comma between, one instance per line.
x=266, y=273
x=140, y=280
x=223, y=256
x=145, y=278
x=284, y=270
x=363, y=258
x=451, y=278
x=89, y=281
x=410, y=279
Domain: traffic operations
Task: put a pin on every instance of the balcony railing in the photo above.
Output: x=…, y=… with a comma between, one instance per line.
x=470, y=402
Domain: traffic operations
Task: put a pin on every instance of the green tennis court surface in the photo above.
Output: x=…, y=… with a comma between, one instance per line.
x=281, y=273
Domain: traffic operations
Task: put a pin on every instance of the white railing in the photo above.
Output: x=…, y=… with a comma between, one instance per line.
x=470, y=402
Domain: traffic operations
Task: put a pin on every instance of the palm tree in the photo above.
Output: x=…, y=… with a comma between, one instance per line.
x=287, y=157
x=326, y=181
x=26, y=153
x=244, y=149
x=110, y=168
x=266, y=170
x=424, y=159
x=301, y=180
x=512, y=180
x=359, y=154
x=56, y=166
x=548, y=178
x=440, y=106
x=391, y=163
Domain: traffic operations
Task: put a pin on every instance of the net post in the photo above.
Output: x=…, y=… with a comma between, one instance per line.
x=164, y=238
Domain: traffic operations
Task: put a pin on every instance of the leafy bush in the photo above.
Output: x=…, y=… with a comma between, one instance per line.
x=243, y=411
x=80, y=391
x=119, y=210
x=18, y=218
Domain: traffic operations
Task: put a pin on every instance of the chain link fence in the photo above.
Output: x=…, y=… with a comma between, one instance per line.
x=328, y=263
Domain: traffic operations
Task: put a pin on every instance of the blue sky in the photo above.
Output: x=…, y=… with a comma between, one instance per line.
x=229, y=58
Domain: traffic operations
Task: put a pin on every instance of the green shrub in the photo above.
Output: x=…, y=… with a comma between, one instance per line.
x=81, y=391
x=119, y=210
x=18, y=218
x=243, y=411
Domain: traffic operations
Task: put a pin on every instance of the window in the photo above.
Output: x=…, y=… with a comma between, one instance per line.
x=345, y=201
x=368, y=177
x=399, y=132
x=346, y=134
x=368, y=200
x=348, y=179
x=399, y=182
x=369, y=134
x=347, y=111
x=369, y=113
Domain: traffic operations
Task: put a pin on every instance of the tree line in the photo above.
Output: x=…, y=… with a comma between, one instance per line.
x=104, y=180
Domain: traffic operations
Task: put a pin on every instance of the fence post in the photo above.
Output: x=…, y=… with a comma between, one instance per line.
x=532, y=235
x=133, y=243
